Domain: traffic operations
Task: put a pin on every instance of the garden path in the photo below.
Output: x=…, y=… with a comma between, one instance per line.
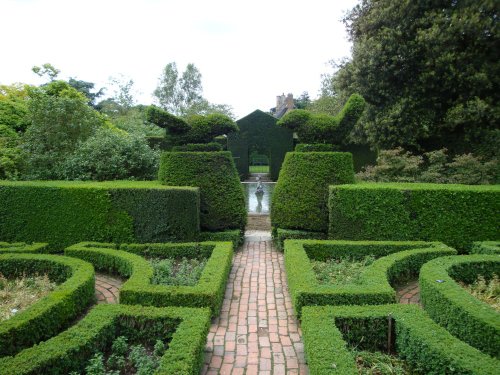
x=257, y=331
x=107, y=288
x=409, y=293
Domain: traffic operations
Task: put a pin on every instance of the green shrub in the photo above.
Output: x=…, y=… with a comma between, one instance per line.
x=428, y=348
x=222, y=199
x=300, y=197
x=316, y=147
x=454, y=214
x=55, y=311
x=485, y=247
x=71, y=350
x=129, y=262
x=396, y=263
x=62, y=213
x=10, y=153
x=280, y=235
x=233, y=235
x=22, y=247
x=451, y=306
x=165, y=120
x=194, y=147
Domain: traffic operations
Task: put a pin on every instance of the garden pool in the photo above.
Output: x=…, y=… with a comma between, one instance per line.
x=258, y=204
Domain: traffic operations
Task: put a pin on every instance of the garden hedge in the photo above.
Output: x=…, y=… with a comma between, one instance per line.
x=454, y=214
x=55, y=311
x=222, y=198
x=23, y=247
x=71, y=350
x=451, y=306
x=236, y=236
x=427, y=347
x=280, y=235
x=396, y=262
x=300, y=197
x=129, y=262
x=64, y=212
x=486, y=247
x=316, y=147
x=211, y=146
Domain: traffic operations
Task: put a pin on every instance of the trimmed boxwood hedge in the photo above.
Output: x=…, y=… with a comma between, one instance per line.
x=316, y=147
x=428, y=348
x=486, y=247
x=54, y=312
x=236, y=236
x=222, y=198
x=451, y=306
x=300, y=197
x=129, y=262
x=64, y=212
x=454, y=214
x=280, y=235
x=397, y=262
x=23, y=247
x=71, y=350
x=212, y=146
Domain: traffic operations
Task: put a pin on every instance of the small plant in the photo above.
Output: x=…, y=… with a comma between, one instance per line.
x=341, y=271
x=486, y=290
x=18, y=294
x=377, y=363
x=170, y=271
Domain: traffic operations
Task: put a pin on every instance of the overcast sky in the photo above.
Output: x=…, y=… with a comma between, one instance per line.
x=248, y=52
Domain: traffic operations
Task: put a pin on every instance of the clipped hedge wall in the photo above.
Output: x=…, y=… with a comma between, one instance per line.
x=451, y=306
x=64, y=212
x=300, y=197
x=222, y=198
x=428, y=348
x=55, y=311
x=236, y=236
x=280, y=235
x=129, y=262
x=316, y=147
x=211, y=146
x=454, y=214
x=70, y=351
x=397, y=262
x=23, y=247
x=486, y=247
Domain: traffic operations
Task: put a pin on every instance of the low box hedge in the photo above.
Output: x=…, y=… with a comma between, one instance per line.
x=236, y=236
x=397, y=261
x=427, y=347
x=55, y=311
x=451, y=306
x=281, y=234
x=23, y=247
x=64, y=212
x=222, y=199
x=454, y=214
x=70, y=350
x=300, y=198
x=129, y=262
x=486, y=247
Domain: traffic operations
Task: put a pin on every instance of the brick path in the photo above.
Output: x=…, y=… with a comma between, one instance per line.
x=256, y=332
x=106, y=288
x=409, y=293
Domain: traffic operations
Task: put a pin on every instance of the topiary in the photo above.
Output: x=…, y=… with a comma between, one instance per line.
x=301, y=194
x=222, y=199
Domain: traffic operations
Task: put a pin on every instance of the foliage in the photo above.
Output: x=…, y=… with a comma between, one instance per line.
x=86, y=89
x=55, y=312
x=426, y=347
x=340, y=271
x=485, y=247
x=174, y=125
x=454, y=214
x=46, y=70
x=10, y=154
x=213, y=173
x=14, y=107
x=18, y=294
x=63, y=213
x=70, y=351
x=212, y=146
x=452, y=307
x=303, y=101
x=315, y=147
x=129, y=262
x=170, y=271
x=203, y=129
x=486, y=290
x=110, y=154
x=23, y=247
x=369, y=363
x=398, y=165
x=300, y=197
x=323, y=128
x=396, y=262
x=428, y=71
x=60, y=120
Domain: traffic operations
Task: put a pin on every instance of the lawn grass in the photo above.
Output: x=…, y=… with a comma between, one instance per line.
x=259, y=169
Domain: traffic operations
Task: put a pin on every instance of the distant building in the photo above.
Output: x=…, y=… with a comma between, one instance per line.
x=284, y=104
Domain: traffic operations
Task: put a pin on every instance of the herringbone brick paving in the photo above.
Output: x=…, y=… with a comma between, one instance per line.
x=256, y=332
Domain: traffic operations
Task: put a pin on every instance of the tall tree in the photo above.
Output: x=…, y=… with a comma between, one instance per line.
x=429, y=71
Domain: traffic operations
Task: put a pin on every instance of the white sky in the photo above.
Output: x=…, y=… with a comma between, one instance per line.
x=248, y=52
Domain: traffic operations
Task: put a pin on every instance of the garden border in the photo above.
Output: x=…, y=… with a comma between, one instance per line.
x=24, y=248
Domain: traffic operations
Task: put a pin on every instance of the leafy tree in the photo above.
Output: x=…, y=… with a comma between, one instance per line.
x=123, y=92
x=429, y=71
x=183, y=96
x=10, y=153
x=86, y=89
x=303, y=101
x=14, y=107
x=46, y=70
